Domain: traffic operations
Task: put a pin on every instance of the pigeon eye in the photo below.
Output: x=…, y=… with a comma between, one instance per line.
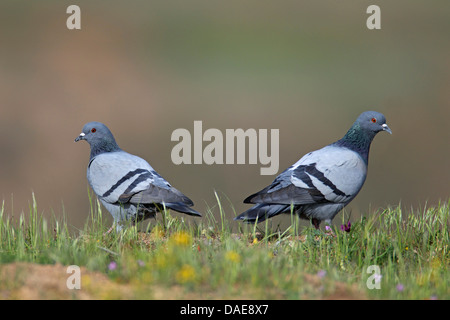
x=93, y=130
x=374, y=120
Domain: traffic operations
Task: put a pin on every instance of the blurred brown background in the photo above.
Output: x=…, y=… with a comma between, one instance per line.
x=146, y=68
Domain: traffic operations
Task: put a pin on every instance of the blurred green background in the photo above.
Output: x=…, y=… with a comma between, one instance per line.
x=146, y=68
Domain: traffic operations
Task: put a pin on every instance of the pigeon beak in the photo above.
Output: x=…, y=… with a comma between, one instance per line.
x=80, y=137
x=386, y=128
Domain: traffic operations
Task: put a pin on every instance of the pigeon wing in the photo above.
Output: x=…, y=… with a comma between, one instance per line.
x=330, y=174
x=157, y=190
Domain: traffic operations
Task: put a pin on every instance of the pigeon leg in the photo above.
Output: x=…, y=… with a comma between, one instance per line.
x=316, y=223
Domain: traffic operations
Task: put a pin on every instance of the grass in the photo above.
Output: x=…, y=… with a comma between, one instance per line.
x=206, y=259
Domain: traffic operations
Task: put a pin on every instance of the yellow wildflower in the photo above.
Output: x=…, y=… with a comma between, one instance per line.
x=186, y=274
x=181, y=239
x=233, y=256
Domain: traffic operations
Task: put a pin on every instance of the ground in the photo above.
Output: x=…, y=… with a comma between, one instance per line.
x=30, y=281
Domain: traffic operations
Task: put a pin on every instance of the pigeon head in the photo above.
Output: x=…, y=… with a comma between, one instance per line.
x=99, y=138
x=372, y=122
x=360, y=135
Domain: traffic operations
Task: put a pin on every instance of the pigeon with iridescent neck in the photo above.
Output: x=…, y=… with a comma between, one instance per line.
x=322, y=182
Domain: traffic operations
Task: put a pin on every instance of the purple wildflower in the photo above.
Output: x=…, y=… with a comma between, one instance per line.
x=377, y=277
x=321, y=273
x=400, y=287
x=141, y=263
x=112, y=266
x=346, y=227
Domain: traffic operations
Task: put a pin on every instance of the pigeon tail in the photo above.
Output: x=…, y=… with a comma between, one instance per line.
x=181, y=207
x=261, y=212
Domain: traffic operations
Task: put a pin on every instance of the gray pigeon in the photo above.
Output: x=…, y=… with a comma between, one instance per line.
x=128, y=187
x=322, y=182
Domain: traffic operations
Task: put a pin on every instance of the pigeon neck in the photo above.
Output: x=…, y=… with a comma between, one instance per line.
x=103, y=147
x=358, y=140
